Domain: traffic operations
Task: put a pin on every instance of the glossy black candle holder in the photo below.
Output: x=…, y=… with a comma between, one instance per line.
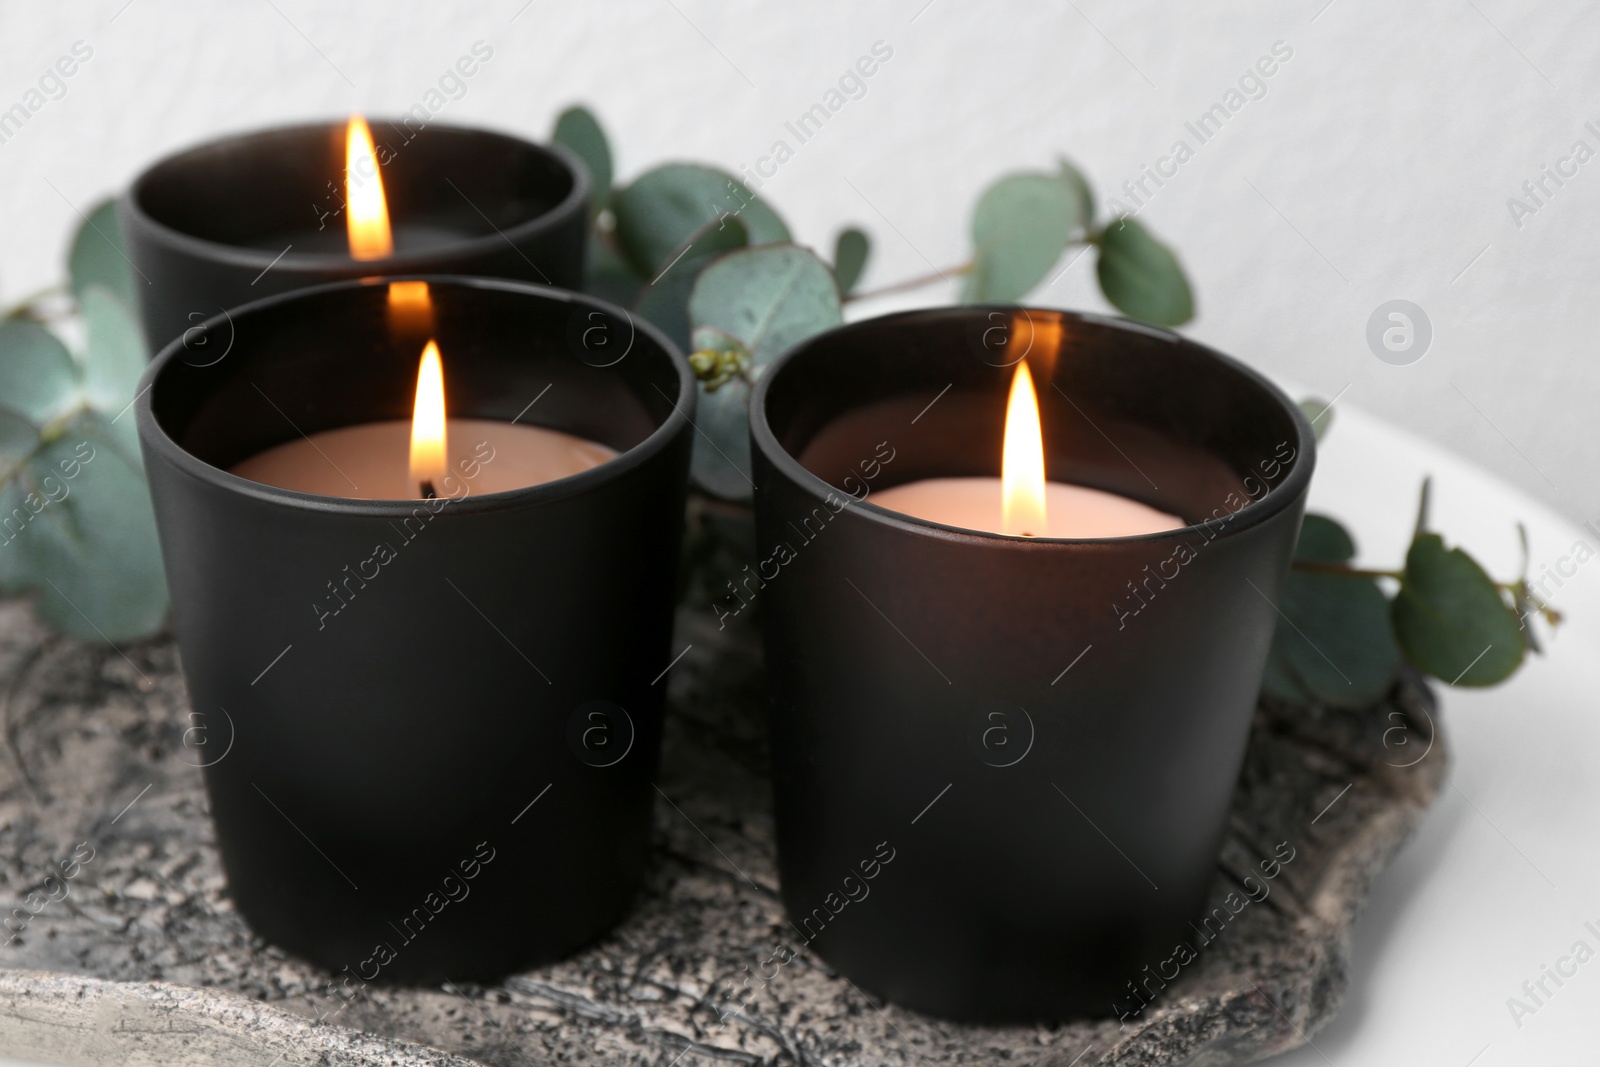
x=450, y=776
x=1003, y=765
x=248, y=216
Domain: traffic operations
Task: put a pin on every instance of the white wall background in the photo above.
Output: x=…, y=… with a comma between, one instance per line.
x=1377, y=166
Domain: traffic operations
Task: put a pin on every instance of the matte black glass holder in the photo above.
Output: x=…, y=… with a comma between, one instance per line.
x=449, y=776
x=1042, y=735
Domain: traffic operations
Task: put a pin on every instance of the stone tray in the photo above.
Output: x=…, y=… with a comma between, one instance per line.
x=144, y=961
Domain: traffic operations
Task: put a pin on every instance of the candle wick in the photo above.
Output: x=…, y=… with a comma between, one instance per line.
x=427, y=490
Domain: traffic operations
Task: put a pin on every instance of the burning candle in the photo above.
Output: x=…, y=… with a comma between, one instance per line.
x=1040, y=717
x=395, y=460
x=444, y=704
x=246, y=217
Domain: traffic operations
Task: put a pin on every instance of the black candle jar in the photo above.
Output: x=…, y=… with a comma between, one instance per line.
x=249, y=216
x=1003, y=765
x=449, y=776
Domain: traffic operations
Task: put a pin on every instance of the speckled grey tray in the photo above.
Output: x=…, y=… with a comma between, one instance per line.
x=144, y=961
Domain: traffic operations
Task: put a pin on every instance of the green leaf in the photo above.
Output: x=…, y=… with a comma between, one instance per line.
x=1424, y=499
x=580, y=131
x=114, y=357
x=666, y=303
x=91, y=549
x=99, y=255
x=1280, y=679
x=1020, y=227
x=38, y=377
x=850, y=251
x=1141, y=277
x=608, y=275
x=1451, y=619
x=16, y=569
x=1334, y=644
x=1319, y=413
x=1322, y=539
x=662, y=210
x=1074, y=179
x=771, y=298
x=18, y=438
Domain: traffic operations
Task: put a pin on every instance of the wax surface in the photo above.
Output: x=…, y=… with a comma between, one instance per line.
x=369, y=462
x=1070, y=510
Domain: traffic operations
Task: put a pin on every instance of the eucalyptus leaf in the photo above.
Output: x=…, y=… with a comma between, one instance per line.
x=1074, y=179
x=666, y=206
x=1333, y=644
x=114, y=356
x=16, y=569
x=1020, y=227
x=99, y=255
x=608, y=275
x=1141, y=277
x=18, y=439
x=1319, y=413
x=1451, y=619
x=770, y=298
x=721, y=461
x=579, y=130
x=91, y=550
x=1324, y=540
x=38, y=377
x=666, y=303
x=850, y=251
x=1424, y=502
x=1279, y=679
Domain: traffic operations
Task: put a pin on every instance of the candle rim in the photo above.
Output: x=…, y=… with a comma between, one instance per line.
x=1285, y=494
x=435, y=260
x=152, y=435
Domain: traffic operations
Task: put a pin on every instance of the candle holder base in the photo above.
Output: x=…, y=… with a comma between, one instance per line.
x=134, y=951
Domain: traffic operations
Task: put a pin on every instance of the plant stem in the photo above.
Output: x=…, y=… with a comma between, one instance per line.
x=947, y=274
x=915, y=283
x=24, y=308
x=1516, y=589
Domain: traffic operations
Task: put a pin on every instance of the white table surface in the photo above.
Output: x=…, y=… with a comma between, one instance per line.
x=1505, y=870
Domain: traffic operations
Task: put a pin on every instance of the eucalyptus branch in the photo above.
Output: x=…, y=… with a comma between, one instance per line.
x=1517, y=590
x=948, y=274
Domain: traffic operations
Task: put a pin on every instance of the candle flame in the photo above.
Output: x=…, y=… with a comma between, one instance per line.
x=367, y=211
x=1022, y=462
x=428, y=444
